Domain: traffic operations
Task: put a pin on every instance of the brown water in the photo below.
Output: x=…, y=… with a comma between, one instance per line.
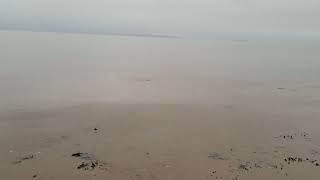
x=164, y=108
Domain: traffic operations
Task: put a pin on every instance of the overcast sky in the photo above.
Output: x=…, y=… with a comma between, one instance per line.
x=178, y=17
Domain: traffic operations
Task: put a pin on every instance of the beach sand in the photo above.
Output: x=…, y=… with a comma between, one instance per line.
x=103, y=107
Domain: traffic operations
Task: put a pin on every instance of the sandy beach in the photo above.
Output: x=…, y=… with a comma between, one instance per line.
x=79, y=107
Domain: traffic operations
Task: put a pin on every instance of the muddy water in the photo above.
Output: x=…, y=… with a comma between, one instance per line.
x=162, y=108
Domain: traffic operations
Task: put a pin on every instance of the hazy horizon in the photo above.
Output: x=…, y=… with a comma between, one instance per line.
x=184, y=18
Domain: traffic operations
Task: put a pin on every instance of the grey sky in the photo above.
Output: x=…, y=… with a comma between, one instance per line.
x=180, y=17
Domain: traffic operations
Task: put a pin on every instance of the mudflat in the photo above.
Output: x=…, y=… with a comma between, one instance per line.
x=104, y=107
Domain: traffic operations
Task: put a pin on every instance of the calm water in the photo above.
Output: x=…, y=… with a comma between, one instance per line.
x=40, y=70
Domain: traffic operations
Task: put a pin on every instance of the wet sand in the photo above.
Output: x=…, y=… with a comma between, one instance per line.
x=157, y=108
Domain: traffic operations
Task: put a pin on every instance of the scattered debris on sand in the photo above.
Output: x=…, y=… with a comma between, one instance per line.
x=213, y=172
x=270, y=159
x=291, y=159
x=89, y=162
x=291, y=136
x=88, y=165
x=243, y=167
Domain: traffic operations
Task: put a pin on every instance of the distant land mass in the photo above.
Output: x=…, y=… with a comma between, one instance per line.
x=97, y=33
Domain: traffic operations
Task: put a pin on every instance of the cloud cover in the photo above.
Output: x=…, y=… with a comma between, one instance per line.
x=180, y=17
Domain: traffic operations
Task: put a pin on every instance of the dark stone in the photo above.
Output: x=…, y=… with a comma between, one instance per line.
x=27, y=157
x=78, y=154
x=23, y=158
x=84, y=156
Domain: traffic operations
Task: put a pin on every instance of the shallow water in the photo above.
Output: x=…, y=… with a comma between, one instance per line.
x=161, y=106
x=48, y=69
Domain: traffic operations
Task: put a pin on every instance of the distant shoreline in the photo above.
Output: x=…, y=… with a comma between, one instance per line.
x=97, y=33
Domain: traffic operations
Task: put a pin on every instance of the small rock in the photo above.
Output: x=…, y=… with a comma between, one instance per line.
x=34, y=176
x=23, y=158
x=84, y=156
x=78, y=154
x=27, y=157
